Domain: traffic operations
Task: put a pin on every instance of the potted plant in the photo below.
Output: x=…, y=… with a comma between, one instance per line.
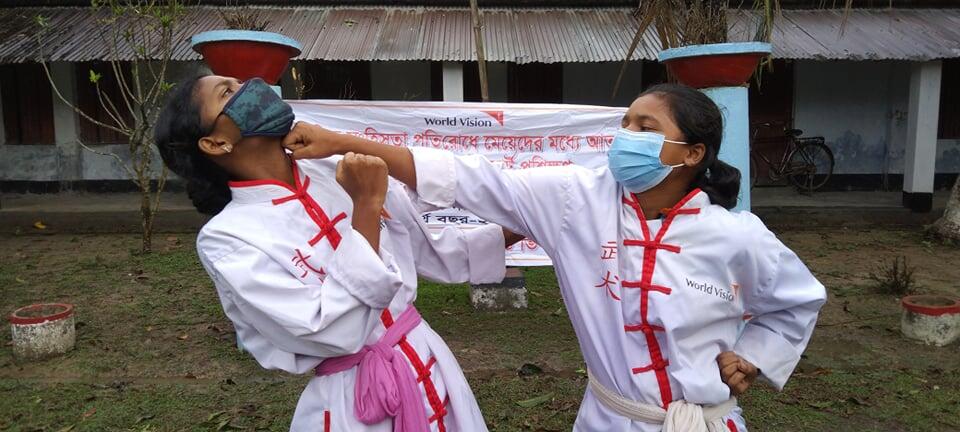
x=244, y=50
x=693, y=35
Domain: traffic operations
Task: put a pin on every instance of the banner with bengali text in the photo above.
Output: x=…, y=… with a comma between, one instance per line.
x=513, y=136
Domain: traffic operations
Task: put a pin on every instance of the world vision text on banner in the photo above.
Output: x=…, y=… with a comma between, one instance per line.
x=513, y=136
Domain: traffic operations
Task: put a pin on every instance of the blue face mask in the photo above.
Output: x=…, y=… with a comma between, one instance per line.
x=258, y=111
x=634, y=160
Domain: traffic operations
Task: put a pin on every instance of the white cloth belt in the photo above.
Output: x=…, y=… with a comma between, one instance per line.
x=680, y=416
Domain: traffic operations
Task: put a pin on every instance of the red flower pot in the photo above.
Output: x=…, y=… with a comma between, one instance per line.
x=714, y=65
x=246, y=54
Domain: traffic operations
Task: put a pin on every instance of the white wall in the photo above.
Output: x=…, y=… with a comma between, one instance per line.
x=592, y=83
x=861, y=110
x=401, y=81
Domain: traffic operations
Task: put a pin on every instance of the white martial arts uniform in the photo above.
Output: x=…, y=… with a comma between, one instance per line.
x=301, y=285
x=653, y=303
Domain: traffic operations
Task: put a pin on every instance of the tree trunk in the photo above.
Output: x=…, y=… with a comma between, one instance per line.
x=146, y=219
x=948, y=226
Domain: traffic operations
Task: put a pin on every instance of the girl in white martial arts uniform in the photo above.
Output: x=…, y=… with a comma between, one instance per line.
x=319, y=278
x=658, y=276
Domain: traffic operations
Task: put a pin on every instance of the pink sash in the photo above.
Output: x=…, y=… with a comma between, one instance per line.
x=386, y=386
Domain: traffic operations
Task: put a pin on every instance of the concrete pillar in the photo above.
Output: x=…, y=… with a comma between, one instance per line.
x=66, y=130
x=453, y=81
x=921, y=156
x=735, y=148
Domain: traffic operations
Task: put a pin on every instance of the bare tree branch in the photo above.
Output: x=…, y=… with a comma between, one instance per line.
x=118, y=72
x=139, y=39
x=56, y=90
x=110, y=109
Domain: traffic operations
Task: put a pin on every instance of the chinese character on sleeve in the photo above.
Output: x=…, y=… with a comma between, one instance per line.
x=609, y=280
x=609, y=251
x=300, y=261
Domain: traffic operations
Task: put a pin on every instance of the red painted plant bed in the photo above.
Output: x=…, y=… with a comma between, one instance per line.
x=932, y=319
x=933, y=305
x=246, y=54
x=714, y=65
x=42, y=330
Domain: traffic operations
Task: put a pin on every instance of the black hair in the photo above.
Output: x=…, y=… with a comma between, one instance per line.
x=700, y=121
x=177, y=132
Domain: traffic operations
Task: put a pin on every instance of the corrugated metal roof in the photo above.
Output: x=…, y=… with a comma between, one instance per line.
x=510, y=35
x=877, y=34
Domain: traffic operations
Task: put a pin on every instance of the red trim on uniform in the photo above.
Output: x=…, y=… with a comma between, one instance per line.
x=423, y=374
x=326, y=421
x=314, y=211
x=438, y=415
x=633, y=201
x=426, y=367
x=646, y=328
x=731, y=425
x=658, y=364
x=262, y=182
x=683, y=201
x=651, y=245
x=386, y=318
x=329, y=231
x=646, y=286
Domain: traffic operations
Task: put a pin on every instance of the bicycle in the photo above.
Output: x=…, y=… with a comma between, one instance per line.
x=807, y=161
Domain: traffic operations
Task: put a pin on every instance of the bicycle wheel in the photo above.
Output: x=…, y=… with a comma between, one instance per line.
x=810, y=165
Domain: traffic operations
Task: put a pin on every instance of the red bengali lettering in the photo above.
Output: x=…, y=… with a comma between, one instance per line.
x=564, y=143
x=600, y=142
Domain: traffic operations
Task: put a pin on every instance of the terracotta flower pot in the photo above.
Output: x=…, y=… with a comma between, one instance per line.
x=42, y=330
x=244, y=54
x=714, y=65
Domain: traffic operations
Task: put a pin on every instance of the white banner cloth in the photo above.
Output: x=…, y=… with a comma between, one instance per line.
x=515, y=136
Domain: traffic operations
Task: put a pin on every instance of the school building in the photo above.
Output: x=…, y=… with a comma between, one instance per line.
x=883, y=89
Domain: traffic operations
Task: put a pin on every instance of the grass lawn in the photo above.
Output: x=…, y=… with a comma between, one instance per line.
x=154, y=351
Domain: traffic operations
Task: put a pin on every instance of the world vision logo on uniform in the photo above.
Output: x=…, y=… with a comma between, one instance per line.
x=465, y=121
x=710, y=289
